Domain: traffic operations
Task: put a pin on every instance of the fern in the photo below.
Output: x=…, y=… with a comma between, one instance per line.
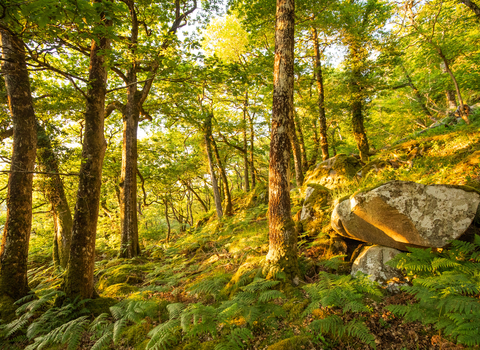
x=345, y=292
x=334, y=326
x=237, y=339
x=446, y=289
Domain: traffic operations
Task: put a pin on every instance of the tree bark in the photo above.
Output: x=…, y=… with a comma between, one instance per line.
x=252, y=149
x=128, y=179
x=321, y=97
x=79, y=276
x=451, y=102
x=55, y=193
x=226, y=190
x=282, y=253
x=303, y=150
x=169, y=230
x=316, y=145
x=208, y=149
x=356, y=102
x=245, y=145
x=16, y=233
x=297, y=153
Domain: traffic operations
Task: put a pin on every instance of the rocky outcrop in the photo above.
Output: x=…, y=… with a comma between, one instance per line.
x=372, y=262
x=317, y=198
x=400, y=214
x=334, y=171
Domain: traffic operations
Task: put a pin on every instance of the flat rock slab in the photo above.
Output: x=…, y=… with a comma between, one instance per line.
x=400, y=214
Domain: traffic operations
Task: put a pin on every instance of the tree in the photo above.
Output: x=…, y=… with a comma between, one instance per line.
x=79, y=275
x=16, y=235
x=282, y=252
x=55, y=193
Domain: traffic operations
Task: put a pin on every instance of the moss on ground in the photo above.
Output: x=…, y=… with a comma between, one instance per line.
x=293, y=343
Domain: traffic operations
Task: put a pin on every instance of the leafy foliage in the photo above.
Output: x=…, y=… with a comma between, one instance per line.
x=446, y=285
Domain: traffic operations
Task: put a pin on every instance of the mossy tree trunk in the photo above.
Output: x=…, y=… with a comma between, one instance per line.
x=16, y=233
x=208, y=149
x=357, y=57
x=55, y=193
x=79, y=276
x=245, y=145
x=226, y=190
x=321, y=97
x=282, y=253
x=297, y=153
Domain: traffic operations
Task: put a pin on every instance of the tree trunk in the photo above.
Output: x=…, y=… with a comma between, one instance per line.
x=200, y=200
x=55, y=193
x=252, y=148
x=168, y=221
x=359, y=130
x=79, y=276
x=16, y=233
x=321, y=97
x=282, y=253
x=418, y=96
x=316, y=145
x=128, y=180
x=226, y=190
x=303, y=150
x=208, y=149
x=245, y=145
x=451, y=102
x=297, y=153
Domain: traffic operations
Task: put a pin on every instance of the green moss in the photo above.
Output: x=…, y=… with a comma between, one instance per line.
x=136, y=334
x=334, y=171
x=293, y=343
x=7, y=308
x=196, y=345
x=119, y=290
x=100, y=305
x=129, y=274
x=294, y=308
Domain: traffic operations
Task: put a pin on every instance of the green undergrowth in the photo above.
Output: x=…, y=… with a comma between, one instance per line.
x=205, y=289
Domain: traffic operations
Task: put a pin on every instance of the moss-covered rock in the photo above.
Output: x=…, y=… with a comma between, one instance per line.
x=334, y=171
x=100, y=305
x=293, y=343
x=316, y=209
x=136, y=334
x=129, y=274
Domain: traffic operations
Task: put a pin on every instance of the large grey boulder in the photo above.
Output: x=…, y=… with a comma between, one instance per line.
x=400, y=214
x=372, y=262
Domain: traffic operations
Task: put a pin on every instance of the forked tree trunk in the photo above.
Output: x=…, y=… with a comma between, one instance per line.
x=16, y=233
x=282, y=253
x=321, y=97
x=208, y=149
x=79, y=276
x=55, y=193
x=226, y=190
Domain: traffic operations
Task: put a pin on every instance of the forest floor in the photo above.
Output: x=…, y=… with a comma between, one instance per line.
x=204, y=289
